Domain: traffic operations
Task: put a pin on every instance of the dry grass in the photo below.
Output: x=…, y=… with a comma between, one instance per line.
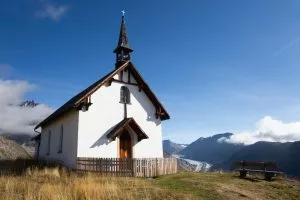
x=229, y=186
x=59, y=184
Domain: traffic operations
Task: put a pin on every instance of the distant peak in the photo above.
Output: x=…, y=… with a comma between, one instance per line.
x=217, y=136
x=28, y=104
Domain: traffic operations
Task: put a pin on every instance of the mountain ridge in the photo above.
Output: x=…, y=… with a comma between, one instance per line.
x=284, y=154
x=210, y=150
x=172, y=147
x=221, y=155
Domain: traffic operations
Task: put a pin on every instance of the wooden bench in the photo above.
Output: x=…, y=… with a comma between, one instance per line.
x=268, y=169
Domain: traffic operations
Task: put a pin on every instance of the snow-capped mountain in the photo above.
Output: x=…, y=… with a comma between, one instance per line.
x=19, y=120
x=28, y=104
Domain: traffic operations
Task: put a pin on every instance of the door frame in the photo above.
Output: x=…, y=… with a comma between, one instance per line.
x=131, y=143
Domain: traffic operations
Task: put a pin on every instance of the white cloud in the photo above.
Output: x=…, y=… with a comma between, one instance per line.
x=54, y=12
x=13, y=118
x=270, y=130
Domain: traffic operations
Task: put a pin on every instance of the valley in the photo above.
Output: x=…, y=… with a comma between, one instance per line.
x=212, y=153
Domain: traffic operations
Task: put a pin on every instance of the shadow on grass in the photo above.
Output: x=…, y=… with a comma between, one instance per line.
x=18, y=167
x=256, y=178
x=251, y=179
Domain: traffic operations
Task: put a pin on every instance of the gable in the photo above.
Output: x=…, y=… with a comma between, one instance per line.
x=126, y=77
x=84, y=97
x=125, y=124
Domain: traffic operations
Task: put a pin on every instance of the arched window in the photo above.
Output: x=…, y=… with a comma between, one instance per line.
x=61, y=137
x=125, y=95
x=49, y=142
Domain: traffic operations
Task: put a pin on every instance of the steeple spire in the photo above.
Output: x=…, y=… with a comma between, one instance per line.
x=123, y=50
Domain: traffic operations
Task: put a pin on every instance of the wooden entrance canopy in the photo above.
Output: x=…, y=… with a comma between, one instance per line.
x=124, y=125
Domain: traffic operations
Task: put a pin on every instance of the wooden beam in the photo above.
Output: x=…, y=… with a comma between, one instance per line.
x=158, y=113
x=121, y=76
x=103, y=82
x=118, y=81
x=109, y=83
x=128, y=79
x=140, y=87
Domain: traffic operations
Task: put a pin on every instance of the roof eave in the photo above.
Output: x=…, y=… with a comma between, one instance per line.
x=62, y=110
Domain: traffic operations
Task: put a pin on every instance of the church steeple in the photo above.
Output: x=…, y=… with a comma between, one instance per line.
x=123, y=50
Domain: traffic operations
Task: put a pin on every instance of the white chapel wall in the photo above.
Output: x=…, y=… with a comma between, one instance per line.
x=68, y=156
x=107, y=111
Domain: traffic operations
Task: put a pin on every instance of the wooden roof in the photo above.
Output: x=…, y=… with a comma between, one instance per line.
x=124, y=124
x=74, y=102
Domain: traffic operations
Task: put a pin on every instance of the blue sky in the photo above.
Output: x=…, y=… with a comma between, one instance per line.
x=217, y=66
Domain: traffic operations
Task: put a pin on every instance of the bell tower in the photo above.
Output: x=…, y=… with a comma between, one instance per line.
x=122, y=50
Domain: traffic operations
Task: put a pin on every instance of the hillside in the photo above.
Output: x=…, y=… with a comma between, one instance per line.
x=210, y=149
x=286, y=155
x=19, y=138
x=184, y=186
x=172, y=148
x=10, y=150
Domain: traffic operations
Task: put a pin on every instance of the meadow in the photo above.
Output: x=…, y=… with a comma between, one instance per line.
x=44, y=184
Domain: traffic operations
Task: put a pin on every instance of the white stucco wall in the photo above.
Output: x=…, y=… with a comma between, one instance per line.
x=106, y=112
x=69, y=148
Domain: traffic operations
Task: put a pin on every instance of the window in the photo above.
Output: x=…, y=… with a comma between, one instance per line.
x=125, y=95
x=49, y=142
x=61, y=137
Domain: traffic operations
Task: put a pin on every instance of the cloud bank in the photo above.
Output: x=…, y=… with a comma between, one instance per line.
x=13, y=118
x=269, y=130
x=53, y=12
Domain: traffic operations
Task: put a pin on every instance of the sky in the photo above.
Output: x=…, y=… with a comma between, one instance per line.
x=217, y=66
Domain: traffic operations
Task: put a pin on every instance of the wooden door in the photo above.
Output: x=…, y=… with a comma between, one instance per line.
x=125, y=145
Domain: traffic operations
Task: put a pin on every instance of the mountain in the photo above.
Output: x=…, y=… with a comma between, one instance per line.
x=19, y=138
x=10, y=150
x=28, y=104
x=171, y=147
x=210, y=150
x=222, y=155
x=286, y=155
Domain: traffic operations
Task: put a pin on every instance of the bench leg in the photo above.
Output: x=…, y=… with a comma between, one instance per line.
x=243, y=174
x=269, y=176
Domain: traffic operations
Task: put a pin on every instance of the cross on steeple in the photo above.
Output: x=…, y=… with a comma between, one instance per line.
x=122, y=50
x=123, y=12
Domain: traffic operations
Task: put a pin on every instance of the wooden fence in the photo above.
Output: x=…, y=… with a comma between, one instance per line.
x=147, y=167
